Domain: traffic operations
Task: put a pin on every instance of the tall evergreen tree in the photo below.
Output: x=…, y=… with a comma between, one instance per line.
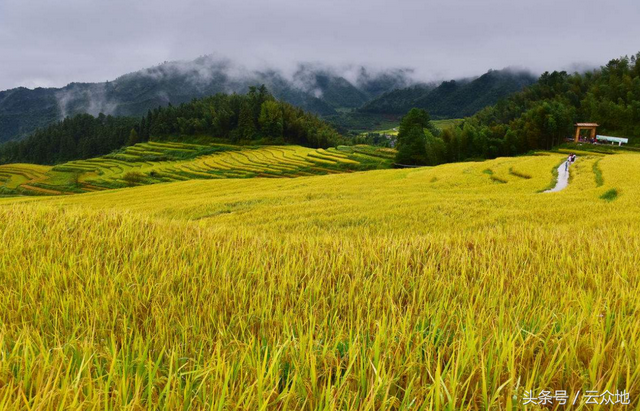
x=133, y=137
x=413, y=149
x=271, y=120
x=411, y=142
x=414, y=118
x=246, y=127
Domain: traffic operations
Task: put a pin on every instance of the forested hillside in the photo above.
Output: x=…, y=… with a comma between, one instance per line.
x=255, y=117
x=452, y=99
x=357, y=98
x=543, y=115
x=316, y=89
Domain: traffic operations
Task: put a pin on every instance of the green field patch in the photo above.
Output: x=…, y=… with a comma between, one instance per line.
x=497, y=179
x=597, y=173
x=519, y=174
x=610, y=195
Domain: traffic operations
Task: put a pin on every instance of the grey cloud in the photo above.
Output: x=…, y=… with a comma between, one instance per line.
x=91, y=99
x=54, y=42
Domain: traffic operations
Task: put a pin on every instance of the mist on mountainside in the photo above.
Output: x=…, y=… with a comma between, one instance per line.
x=317, y=88
x=322, y=89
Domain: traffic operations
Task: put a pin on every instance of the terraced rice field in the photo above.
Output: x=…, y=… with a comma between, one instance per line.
x=457, y=287
x=161, y=162
x=24, y=179
x=440, y=124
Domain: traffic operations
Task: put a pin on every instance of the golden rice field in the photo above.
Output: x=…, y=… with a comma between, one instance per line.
x=439, y=124
x=162, y=162
x=457, y=287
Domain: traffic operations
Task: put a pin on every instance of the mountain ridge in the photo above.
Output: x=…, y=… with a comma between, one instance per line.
x=320, y=90
x=454, y=98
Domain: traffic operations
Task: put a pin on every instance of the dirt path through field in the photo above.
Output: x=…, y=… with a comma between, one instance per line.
x=563, y=178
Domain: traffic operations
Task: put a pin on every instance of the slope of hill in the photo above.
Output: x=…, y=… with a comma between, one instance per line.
x=252, y=118
x=316, y=89
x=452, y=99
x=161, y=162
x=433, y=288
x=543, y=115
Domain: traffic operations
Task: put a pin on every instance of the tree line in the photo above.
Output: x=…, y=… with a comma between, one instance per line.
x=539, y=117
x=252, y=118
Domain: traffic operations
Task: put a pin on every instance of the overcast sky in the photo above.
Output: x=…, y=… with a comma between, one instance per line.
x=53, y=42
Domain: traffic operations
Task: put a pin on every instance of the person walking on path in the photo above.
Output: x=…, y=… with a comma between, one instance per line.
x=566, y=163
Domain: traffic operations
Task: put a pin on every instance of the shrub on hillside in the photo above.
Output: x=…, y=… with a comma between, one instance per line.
x=133, y=178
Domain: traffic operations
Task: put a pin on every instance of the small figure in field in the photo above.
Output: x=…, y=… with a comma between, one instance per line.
x=566, y=163
x=573, y=158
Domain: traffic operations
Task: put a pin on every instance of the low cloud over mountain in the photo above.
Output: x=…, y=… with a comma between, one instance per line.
x=317, y=88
